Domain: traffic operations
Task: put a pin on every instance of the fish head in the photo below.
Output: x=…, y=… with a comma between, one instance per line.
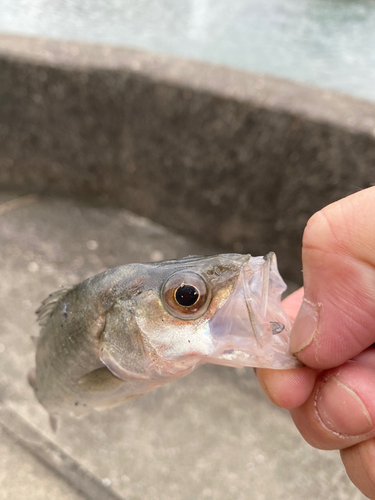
x=161, y=329
x=225, y=309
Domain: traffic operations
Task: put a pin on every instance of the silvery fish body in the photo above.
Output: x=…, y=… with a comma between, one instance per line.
x=126, y=331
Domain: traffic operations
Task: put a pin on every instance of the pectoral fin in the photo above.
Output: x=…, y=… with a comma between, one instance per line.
x=100, y=380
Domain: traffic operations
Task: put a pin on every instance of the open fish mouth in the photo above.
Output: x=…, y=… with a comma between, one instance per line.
x=252, y=329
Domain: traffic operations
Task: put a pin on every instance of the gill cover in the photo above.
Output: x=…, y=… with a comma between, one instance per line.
x=121, y=348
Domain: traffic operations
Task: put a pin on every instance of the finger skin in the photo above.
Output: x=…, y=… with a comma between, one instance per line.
x=287, y=388
x=359, y=463
x=340, y=412
x=339, y=279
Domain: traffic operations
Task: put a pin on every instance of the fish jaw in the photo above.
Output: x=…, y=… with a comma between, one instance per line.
x=252, y=329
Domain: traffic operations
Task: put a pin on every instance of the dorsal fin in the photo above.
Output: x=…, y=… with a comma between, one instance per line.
x=48, y=305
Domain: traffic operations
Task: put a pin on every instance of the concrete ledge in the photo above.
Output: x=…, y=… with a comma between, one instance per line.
x=233, y=159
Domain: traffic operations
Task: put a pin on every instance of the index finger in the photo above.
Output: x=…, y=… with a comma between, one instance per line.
x=337, y=318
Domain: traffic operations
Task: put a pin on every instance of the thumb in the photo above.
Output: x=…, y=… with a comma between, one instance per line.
x=336, y=320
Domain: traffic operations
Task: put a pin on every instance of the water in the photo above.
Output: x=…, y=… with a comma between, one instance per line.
x=328, y=43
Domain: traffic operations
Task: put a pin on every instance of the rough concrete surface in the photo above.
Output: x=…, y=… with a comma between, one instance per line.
x=22, y=476
x=211, y=435
x=234, y=159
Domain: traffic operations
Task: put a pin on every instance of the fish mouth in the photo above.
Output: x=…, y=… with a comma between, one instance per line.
x=251, y=328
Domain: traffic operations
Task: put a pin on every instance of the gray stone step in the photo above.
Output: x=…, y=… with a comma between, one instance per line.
x=211, y=435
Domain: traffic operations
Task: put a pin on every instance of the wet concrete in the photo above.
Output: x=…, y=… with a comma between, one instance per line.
x=211, y=435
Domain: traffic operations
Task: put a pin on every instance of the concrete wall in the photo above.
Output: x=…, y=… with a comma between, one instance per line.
x=233, y=159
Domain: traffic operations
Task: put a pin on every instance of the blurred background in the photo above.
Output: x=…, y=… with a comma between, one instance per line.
x=329, y=43
x=140, y=131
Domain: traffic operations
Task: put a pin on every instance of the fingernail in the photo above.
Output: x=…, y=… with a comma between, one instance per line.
x=341, y=410
x=304, y=327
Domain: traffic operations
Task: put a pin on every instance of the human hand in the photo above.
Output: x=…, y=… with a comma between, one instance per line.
x=332, y=398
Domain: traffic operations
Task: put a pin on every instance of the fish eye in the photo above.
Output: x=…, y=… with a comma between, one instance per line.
x=185, y=295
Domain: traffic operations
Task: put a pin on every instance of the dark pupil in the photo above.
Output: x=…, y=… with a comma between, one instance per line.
x=187, y=295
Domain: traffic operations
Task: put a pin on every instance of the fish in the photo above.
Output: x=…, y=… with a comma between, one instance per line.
x=124, y=332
